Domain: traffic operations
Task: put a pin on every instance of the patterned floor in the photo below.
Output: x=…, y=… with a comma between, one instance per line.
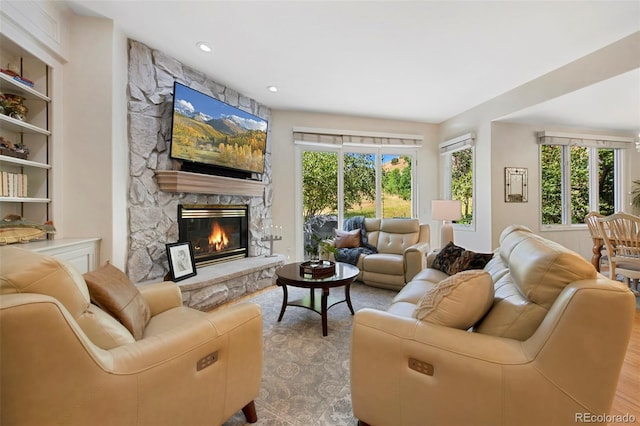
x=305, y=378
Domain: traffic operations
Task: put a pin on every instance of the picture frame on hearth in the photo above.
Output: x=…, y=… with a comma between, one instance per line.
x=182, y=264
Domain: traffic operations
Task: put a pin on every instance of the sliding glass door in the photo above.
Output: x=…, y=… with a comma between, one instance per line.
x=337, y=183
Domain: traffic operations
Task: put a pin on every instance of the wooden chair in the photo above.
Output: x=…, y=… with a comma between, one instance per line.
x=599, y=251
x=621, y=233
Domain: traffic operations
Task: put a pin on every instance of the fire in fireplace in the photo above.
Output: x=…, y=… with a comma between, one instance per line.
x=217, y=232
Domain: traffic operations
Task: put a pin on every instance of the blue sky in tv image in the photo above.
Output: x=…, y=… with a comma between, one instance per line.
x=193, y=103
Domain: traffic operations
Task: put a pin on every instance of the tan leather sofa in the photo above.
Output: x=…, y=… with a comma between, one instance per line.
x=548, y=352
x=402, y=245
x=189, y=367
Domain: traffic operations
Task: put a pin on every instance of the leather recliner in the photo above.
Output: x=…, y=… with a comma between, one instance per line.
x=548, y=352
x=402, y=244
x=189, y=367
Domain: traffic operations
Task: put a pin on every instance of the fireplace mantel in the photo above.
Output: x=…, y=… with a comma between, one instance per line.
x=178, y=181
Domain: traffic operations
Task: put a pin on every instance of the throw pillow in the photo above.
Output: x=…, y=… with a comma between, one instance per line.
x=470, y=260
x=458, y=301
x=446, y=257
x=114, y=293
x=347, y=239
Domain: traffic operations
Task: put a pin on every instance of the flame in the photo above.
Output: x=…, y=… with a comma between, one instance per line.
x=218, y=239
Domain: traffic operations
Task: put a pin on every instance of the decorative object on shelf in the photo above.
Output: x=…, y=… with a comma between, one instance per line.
x=17, y=77
x=446, y=211
x=271, y=233
x=182, y=263
x=318, y=269
x=515, y=185
x=10, y=149
x=12, y=106
x=15, y=229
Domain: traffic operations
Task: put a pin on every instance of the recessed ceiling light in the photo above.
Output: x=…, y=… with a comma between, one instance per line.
x=204, y=46
x=272, y=89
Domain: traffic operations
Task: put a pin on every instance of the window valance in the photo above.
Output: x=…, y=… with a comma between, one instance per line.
x=302, y=135
x=457, y=144
x=576, y=139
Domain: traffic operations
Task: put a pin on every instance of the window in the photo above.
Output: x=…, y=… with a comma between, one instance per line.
x=578, y=175
x=351, y=184
x=458, y=156
x=340, y=180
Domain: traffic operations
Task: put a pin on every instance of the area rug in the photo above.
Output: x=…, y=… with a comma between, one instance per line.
x=305, y=379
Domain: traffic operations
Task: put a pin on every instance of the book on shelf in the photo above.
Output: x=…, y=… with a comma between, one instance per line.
x=18, y=77
x=14, y=185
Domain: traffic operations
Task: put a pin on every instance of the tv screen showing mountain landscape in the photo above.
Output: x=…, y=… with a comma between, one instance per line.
x=206, y=130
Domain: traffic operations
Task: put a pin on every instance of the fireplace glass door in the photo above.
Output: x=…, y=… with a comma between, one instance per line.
x=216, y=232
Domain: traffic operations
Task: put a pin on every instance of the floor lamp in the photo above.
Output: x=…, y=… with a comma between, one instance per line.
x=446, y=211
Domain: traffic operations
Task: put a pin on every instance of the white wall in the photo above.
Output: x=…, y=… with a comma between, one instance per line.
x=515, y=145
x=283, y=174
x=87, y=146
x=120, y=151
x=493, y=154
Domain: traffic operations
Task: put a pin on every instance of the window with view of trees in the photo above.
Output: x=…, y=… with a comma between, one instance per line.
x=575, y=180
x=340, y=184
x=458, y=155
x=462, y=182
x=320, y=184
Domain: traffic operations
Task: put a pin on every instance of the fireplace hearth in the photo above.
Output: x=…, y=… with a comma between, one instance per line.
x=218, y=233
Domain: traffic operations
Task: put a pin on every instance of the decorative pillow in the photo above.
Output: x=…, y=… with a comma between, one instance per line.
x=458, y=301
x=114, y=293
x=347, y=239
x=470, y=260
x=446, y=257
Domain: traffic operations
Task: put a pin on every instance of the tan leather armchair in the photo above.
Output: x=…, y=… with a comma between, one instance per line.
x=189, y=368
x=548, y=352
x=402, y=244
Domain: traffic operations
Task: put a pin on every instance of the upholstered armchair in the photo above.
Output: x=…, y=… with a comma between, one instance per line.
x=66, y=361
x=401, y=248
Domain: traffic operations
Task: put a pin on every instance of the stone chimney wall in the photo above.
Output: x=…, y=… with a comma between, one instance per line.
x=153, y=213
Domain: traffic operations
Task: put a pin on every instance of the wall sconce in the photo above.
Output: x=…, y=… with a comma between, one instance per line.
x=446, y=211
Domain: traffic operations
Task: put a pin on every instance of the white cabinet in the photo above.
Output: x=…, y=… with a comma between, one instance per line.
x=27, y=197
x=82, y=253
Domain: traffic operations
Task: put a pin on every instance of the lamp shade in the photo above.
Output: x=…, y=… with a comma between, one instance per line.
x=446, y=209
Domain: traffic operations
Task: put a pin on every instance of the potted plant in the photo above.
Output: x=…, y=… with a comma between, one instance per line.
x=635, y=195
x=319, y=247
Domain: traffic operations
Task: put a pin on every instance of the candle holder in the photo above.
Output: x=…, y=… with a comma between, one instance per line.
x=271, y=238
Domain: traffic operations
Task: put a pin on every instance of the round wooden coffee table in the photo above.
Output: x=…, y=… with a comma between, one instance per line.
x=289, y=275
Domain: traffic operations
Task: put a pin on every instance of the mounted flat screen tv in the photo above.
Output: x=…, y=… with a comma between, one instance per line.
x=211, y=136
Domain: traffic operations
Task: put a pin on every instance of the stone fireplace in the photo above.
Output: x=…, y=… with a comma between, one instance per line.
x=217, y=233
x=157, y=188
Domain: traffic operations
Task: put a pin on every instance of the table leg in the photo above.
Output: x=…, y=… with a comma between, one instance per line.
x=323, y=309
x=347, y=297
x=285, y=297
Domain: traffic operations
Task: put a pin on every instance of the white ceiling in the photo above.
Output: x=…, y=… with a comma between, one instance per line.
x=410, y=60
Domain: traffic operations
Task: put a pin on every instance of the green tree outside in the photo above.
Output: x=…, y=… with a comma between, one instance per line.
x=462, y=182
x=552, y=177
x=320, y=181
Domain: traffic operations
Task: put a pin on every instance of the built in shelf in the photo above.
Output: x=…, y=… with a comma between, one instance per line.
x=9, y=85
x=196, y=183
x=24, y=200
x=21, y=162
x=19, y=126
